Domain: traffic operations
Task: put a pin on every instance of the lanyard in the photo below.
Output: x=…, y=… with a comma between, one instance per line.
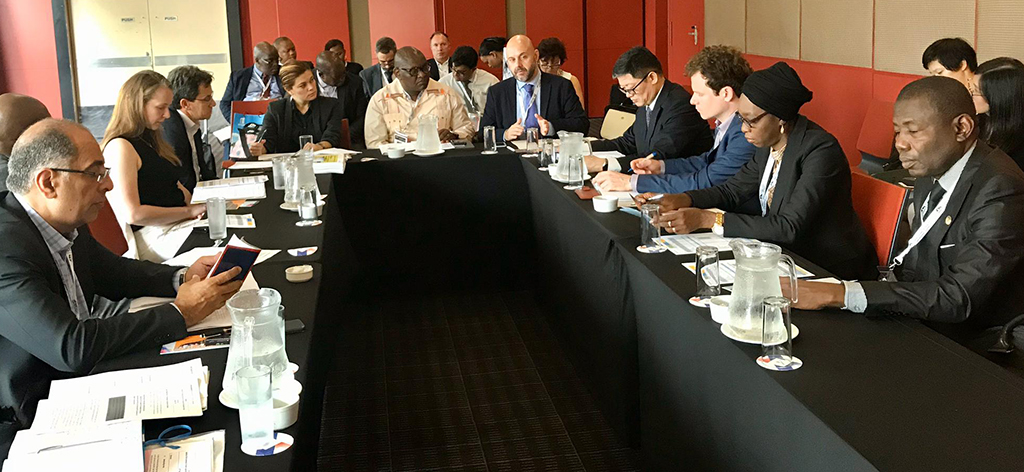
x=765, y=184
x=467, y=96
x=533, y=98
x=933, y=216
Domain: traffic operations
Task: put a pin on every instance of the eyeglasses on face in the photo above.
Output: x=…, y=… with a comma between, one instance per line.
x=99, y=176
x=415, y=71
x=632, y=90
x=753, y=121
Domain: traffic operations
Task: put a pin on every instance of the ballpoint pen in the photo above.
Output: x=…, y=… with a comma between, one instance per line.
x=652, y=155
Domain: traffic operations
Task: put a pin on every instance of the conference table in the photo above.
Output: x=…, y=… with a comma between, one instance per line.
x=873, y=393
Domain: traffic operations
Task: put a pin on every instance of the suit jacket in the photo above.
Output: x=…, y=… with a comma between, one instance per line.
x=40, y=337
x=352, y=100
x=559, y=104
x=812, y=210
x=705, y=170
x=677, y=130
x=282, y=134
x=435, y=70
x=3, y=172
x=180, y=140
x=353, y=67
x=968, y=267
x=235, y=90
x=372, y=79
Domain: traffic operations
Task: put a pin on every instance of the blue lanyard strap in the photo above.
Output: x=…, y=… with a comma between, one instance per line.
x=165, y=436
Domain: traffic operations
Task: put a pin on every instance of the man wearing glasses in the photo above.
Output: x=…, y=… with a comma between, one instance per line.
x=380, y=75
x=193, y=101
x=666, y=124
x=394, y=111
x=257, y=82
x=53, y=269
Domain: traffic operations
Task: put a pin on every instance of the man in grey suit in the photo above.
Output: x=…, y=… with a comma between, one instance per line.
x=963, y=262
x=51, y=268
x=17, y=113
x=380, y=75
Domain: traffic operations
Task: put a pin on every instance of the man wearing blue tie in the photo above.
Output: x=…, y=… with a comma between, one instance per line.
x=531, y=98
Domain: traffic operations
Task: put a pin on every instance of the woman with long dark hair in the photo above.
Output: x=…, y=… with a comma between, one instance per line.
x=999, y=99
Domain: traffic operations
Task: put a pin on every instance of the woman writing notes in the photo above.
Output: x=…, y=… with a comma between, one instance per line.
x=148, y=197
x=302, y=112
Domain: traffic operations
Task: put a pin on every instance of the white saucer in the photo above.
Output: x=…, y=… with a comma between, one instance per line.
x=559, y=178
x=290, y=206
x=727, y=331
x=428, y=154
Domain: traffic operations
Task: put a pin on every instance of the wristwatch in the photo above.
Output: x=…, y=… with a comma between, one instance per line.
x=719, y=221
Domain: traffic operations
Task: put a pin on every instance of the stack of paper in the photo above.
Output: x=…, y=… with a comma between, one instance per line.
x=727, y=271
x=684, y=244
x=235, y=188
x=113, y=447
x=200, y=453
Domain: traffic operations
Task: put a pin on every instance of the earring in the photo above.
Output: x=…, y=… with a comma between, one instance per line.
x=782, y=127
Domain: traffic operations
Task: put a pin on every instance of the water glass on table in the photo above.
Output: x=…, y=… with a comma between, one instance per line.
x=650, y=233
x=547, y=153
x=308, y=208
x=217, y=217
x=532, y=136
x=490, y=140
x=255, y=406
x=777, y=336
x=708, y=281
x=304, y=140
x=280, y=172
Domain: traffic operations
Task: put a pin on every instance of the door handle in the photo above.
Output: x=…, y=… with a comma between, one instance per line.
x=693, y=32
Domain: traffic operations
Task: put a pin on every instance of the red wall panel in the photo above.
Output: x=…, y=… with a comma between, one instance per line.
x=656, y=30
x=28, y=52
x=563, y=20
x=613, y=26
x=265, y=20
x=468, y=22
x=408, y=22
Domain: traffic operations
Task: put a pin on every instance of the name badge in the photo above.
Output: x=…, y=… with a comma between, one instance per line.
x=401, y=137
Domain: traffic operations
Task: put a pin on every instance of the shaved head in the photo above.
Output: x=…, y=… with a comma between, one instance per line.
x=521, y=58
x=411, y=59
x=265, y=58
x=331, y=67
x=17, y=113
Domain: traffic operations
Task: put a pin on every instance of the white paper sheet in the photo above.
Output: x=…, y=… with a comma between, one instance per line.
x=684, y=244
x=102, y=456
x=245, y=221
x=727, y=271
x=625, y=198
x=195, y=454
x=251, y=165
x=28, y=441
x=255, y=191
x=608, y=154
x=170, y=398
x=232, y=182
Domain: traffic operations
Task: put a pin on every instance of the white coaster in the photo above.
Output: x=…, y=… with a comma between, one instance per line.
x=780, y=363
x=281, y=443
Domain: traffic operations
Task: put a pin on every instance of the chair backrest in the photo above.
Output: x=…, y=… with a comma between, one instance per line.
x=346, y=138
x=257, y=107
x=107, y=231
x=876, y=136
x=880, y=207
x=616, y=122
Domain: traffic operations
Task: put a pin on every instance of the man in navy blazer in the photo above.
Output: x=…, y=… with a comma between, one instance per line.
x=531, y=98
x=257, y=82
x=716, y=74
x=666, y=123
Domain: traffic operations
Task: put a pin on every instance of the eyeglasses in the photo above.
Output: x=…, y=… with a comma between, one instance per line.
x=415, y=71
x=99, y=176
x=750, y=123
x=206, y=100
x=632, y=91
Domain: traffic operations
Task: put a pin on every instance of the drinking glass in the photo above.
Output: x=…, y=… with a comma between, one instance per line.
x=777, y=336
x=575, y=172
x=708, y=284
x=308, y=208
x=490, y=140
x=280, y=173
x=304, y=140
x=547, y=152
x=217, y=217
x=649, y=232
x=532, y=134
x=255, y=406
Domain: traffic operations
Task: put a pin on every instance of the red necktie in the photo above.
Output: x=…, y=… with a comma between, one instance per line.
x=266, y=88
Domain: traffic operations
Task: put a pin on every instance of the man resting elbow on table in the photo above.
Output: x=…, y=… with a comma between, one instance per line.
x=716, y=74
x=799, y=175
x=966, y=264
x=51, y=269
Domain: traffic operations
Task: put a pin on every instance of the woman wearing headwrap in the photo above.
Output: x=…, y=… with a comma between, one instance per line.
x=799, y=179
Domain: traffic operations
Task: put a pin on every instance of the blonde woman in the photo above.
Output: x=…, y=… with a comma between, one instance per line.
x=148, y=195
x=552, y=56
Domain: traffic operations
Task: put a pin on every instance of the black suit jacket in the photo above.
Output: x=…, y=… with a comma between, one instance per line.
x=372, y=80
x=40, y=337
x=677, y=130
x=812, y=210
x=353, y=67
x=559, y=104
x=968, y=267
x=352, y=100
x=180, y=140
x=435, y=70
x=281, y=133
x=235, y=90
x=3, y=172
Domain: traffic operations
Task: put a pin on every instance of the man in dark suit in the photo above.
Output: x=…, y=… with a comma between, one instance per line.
x=665, y=123
x=333, y=81
x=17, y=113
x=716, y=74
x=286, y=52
x=963, y=262
x=531, y=98
x=47, y=328
x=380, y=75
x=441, y=48
x=257, y=82
x=799, y=175
x=193, y=102
x=338, y=47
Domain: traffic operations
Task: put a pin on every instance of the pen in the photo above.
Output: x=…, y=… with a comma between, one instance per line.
x=652, y=155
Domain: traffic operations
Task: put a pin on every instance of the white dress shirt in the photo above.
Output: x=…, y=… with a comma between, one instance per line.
x=190, y=130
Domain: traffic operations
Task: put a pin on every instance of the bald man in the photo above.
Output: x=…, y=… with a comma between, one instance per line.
x=531, y=98
x=257, y=82
x=17, y=113
x=333, y=80
x=396, y=108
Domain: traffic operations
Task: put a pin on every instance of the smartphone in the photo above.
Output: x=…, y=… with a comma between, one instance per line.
x=293, y=326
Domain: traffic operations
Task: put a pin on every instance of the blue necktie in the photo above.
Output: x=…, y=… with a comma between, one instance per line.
x=530, y=120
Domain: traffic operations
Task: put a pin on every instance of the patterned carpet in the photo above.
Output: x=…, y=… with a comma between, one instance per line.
x=460, y=383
